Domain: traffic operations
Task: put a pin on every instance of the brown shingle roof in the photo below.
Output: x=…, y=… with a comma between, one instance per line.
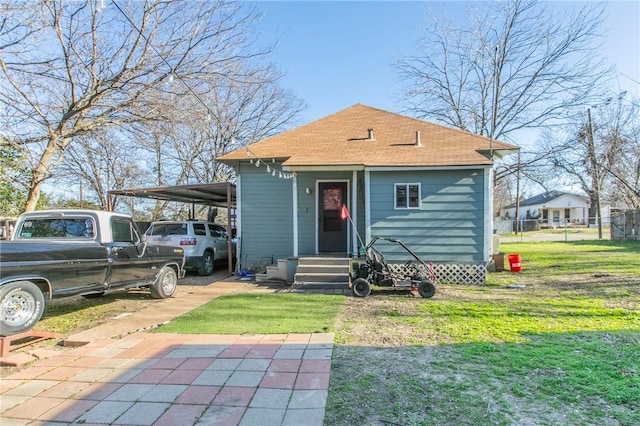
x=342, y=139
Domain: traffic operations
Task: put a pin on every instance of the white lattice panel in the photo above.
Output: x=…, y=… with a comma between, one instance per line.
x=452, y=273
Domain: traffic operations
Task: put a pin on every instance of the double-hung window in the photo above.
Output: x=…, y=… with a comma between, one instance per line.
x=407, y=196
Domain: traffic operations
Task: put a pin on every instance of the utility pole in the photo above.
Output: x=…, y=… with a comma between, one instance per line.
x=518, y=194
x=595, y=175
x=494, y=104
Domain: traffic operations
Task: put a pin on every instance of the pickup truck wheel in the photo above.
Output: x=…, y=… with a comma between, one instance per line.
x=21, y=306
x=206, y=267
x=165, y=285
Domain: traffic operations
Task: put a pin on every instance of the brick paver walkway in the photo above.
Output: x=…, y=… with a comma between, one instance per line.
x=171, y=379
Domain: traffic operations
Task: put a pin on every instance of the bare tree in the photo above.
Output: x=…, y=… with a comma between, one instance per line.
x=600, y=153
x=85, y=68
x=101, y=161
x=514, y=65
x=618, y=126
x=239, y=112
x=15, y=23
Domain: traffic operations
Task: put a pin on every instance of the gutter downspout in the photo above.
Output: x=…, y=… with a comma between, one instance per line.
x=230, y=231
x=354, y=213
x=294, y=194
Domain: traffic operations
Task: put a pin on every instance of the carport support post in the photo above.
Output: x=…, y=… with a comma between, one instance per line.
x=229, y=231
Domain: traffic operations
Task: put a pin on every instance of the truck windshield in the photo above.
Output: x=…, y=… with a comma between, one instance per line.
x=81, y=227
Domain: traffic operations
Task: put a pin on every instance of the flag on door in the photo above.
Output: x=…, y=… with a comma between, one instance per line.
x=344, y=213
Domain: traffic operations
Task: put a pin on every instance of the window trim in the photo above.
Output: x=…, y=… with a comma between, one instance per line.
x=407, y=186
x=133, y=238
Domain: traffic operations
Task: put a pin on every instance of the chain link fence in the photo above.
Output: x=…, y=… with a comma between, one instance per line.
x=511, y=230
x=626, y=225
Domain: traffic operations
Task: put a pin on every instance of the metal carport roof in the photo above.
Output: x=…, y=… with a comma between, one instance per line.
x=220, y=194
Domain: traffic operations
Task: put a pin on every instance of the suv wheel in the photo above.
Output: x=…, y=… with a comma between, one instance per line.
x=206, y=267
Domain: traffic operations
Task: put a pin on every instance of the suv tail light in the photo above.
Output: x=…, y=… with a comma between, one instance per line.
x=188, y=242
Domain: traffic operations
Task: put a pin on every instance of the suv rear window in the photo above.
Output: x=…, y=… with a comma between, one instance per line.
x=164, y=229
x=199, y=229
x=217, y=231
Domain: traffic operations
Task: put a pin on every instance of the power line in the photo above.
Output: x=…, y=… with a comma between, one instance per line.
x=253, y=159
x=171, y=70
x=624, y=75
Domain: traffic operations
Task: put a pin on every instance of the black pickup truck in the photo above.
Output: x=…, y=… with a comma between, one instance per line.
x=60, y=253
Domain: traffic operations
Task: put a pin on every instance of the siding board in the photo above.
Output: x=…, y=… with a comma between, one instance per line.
x=448, y=226
x=267, y=217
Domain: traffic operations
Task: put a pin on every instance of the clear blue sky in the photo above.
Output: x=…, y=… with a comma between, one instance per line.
x=336, y=54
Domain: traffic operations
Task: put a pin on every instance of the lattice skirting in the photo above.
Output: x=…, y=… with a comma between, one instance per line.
x=453, y=273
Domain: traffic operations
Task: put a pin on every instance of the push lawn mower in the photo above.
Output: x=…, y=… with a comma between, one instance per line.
x=373, y=269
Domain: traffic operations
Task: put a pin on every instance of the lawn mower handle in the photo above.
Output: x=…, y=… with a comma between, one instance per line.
x=394, y=240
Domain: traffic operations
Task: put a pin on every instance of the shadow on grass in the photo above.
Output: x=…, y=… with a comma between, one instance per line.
x=613, y=246
x=86, y=305
x=556, y=378
x=79, y=303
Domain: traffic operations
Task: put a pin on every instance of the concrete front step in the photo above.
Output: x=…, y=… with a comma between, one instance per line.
x=310, y=270
x=306, y=277
x=322, y=285
x=322, y=272
x=323, y=269
x=323, y=261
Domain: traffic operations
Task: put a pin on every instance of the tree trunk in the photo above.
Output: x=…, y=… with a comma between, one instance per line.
x=41, y=173
x=593, y=208
x=595, y=176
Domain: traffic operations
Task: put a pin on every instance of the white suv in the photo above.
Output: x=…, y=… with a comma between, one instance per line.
x=204, y=243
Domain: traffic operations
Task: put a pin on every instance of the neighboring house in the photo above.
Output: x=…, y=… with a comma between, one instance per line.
x=556, y=208
x=428, y=185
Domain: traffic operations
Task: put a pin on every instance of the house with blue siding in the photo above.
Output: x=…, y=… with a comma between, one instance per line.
x=425, y=184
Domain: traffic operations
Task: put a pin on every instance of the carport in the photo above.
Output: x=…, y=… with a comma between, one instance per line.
x=220, y=194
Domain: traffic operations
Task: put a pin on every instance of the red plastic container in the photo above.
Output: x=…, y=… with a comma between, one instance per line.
x=515, y=262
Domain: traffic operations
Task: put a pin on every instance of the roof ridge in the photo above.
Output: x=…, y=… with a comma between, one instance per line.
x=424, y=121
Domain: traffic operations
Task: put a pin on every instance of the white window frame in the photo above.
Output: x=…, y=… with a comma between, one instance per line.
x=407, y=206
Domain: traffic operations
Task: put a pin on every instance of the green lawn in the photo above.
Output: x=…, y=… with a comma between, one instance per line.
x=550, y=258
x=561, y=347
x=260, y=313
